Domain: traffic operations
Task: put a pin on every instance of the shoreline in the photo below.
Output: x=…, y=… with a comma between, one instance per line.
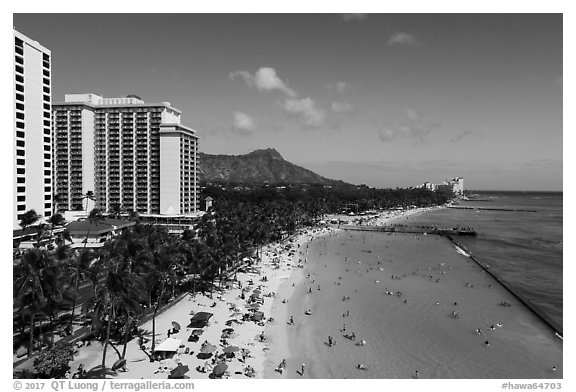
x=305, y=341
x=280, y=332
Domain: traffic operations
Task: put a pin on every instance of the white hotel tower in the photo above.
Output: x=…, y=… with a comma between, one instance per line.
x=128, y=152
x=32, y=137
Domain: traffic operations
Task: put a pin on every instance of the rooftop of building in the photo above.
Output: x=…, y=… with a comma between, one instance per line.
x=97, y=101
x=32, y=42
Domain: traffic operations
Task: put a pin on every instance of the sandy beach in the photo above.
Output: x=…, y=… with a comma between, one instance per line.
x=417, y=303
x=279, y=264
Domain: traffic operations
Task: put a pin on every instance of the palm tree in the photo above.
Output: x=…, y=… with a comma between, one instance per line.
x=36, y=280
x=81, y=268
x=89, y=195
x=158, y=279
x=29, y=218
x=94, y=218
x=56, y=220
x=117, y=294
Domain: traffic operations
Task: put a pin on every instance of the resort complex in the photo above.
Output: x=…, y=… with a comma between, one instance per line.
x=136, y=256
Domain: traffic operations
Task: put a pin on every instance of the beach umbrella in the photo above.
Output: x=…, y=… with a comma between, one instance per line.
x=231, y=349
x=220, y=368
x=197, y=332
x=257, y=316
x=118, y=364
x=176, y=326
x=179, y=371
x=208, y=349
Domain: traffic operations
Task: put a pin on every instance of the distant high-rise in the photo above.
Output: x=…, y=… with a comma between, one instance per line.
x=129, y=153
x=32, y=141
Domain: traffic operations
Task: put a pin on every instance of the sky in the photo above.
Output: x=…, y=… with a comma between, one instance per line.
x=385, y=100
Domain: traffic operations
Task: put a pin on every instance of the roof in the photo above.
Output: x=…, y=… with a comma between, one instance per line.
x=170, y=344
x=107, y=225
x=119, y=223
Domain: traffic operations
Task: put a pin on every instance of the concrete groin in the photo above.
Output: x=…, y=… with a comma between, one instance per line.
x=491, y=209
x=556, y=328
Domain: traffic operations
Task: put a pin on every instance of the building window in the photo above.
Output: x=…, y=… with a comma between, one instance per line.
x=46, y=131
x=19, y=106
x=45, y=57
x=46, y=164
x=21, y=198
x=46, y=90
x=47, y=148
x=46, y=72
x=46, y=139
x=21, y=207
x=20, y=115
x=21, y=180
x=20, y=78
x=47, y=205
x=46, y=81
x=46, y=97
x=46, y=114
x=19, y=97
x=47, y=106
x=47, y=172
x=47, y=123
x=47, y=197
x=20, y=153
x=20, y=143
x=19, y=69
x=21, y=189
x=46, y=181
x=20, y=88
x=47, y=156
x=20, y=161
x=19, y=60
x=20, y=170
x=19, y=124
x=18, y=42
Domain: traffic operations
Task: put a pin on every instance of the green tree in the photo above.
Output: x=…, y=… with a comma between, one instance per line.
x=55, y=362
x=36, y=279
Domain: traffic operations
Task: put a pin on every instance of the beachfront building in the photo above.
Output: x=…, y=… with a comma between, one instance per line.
x=130, y=153
x=454, y=185
x=95, y=234
x=32, y=140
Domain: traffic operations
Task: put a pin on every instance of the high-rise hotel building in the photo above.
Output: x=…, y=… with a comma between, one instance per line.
x=32, y=141
x=128, y=152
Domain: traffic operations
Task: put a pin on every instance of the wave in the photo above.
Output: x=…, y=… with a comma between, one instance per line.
x=461, y=251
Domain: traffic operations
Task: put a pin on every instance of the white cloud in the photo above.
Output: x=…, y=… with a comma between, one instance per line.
x=403, y=39
x=341, y=107
x=265, y=79
x=243, y=124
x=305, y=110
x=411, y=127
x=353, y=17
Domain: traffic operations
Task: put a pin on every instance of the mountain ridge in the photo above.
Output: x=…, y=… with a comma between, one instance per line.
x=258, y=167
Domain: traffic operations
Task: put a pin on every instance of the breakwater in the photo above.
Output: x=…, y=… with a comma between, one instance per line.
x=414, y=229
x=556, y=328
x=491, y=209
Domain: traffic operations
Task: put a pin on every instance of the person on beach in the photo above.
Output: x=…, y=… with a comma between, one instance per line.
x=416, y=374
x=302, y=370
x=291, y=322
x=361, y=366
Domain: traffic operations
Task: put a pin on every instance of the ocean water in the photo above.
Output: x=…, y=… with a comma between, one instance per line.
x=411, y=328
x=524, y=249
